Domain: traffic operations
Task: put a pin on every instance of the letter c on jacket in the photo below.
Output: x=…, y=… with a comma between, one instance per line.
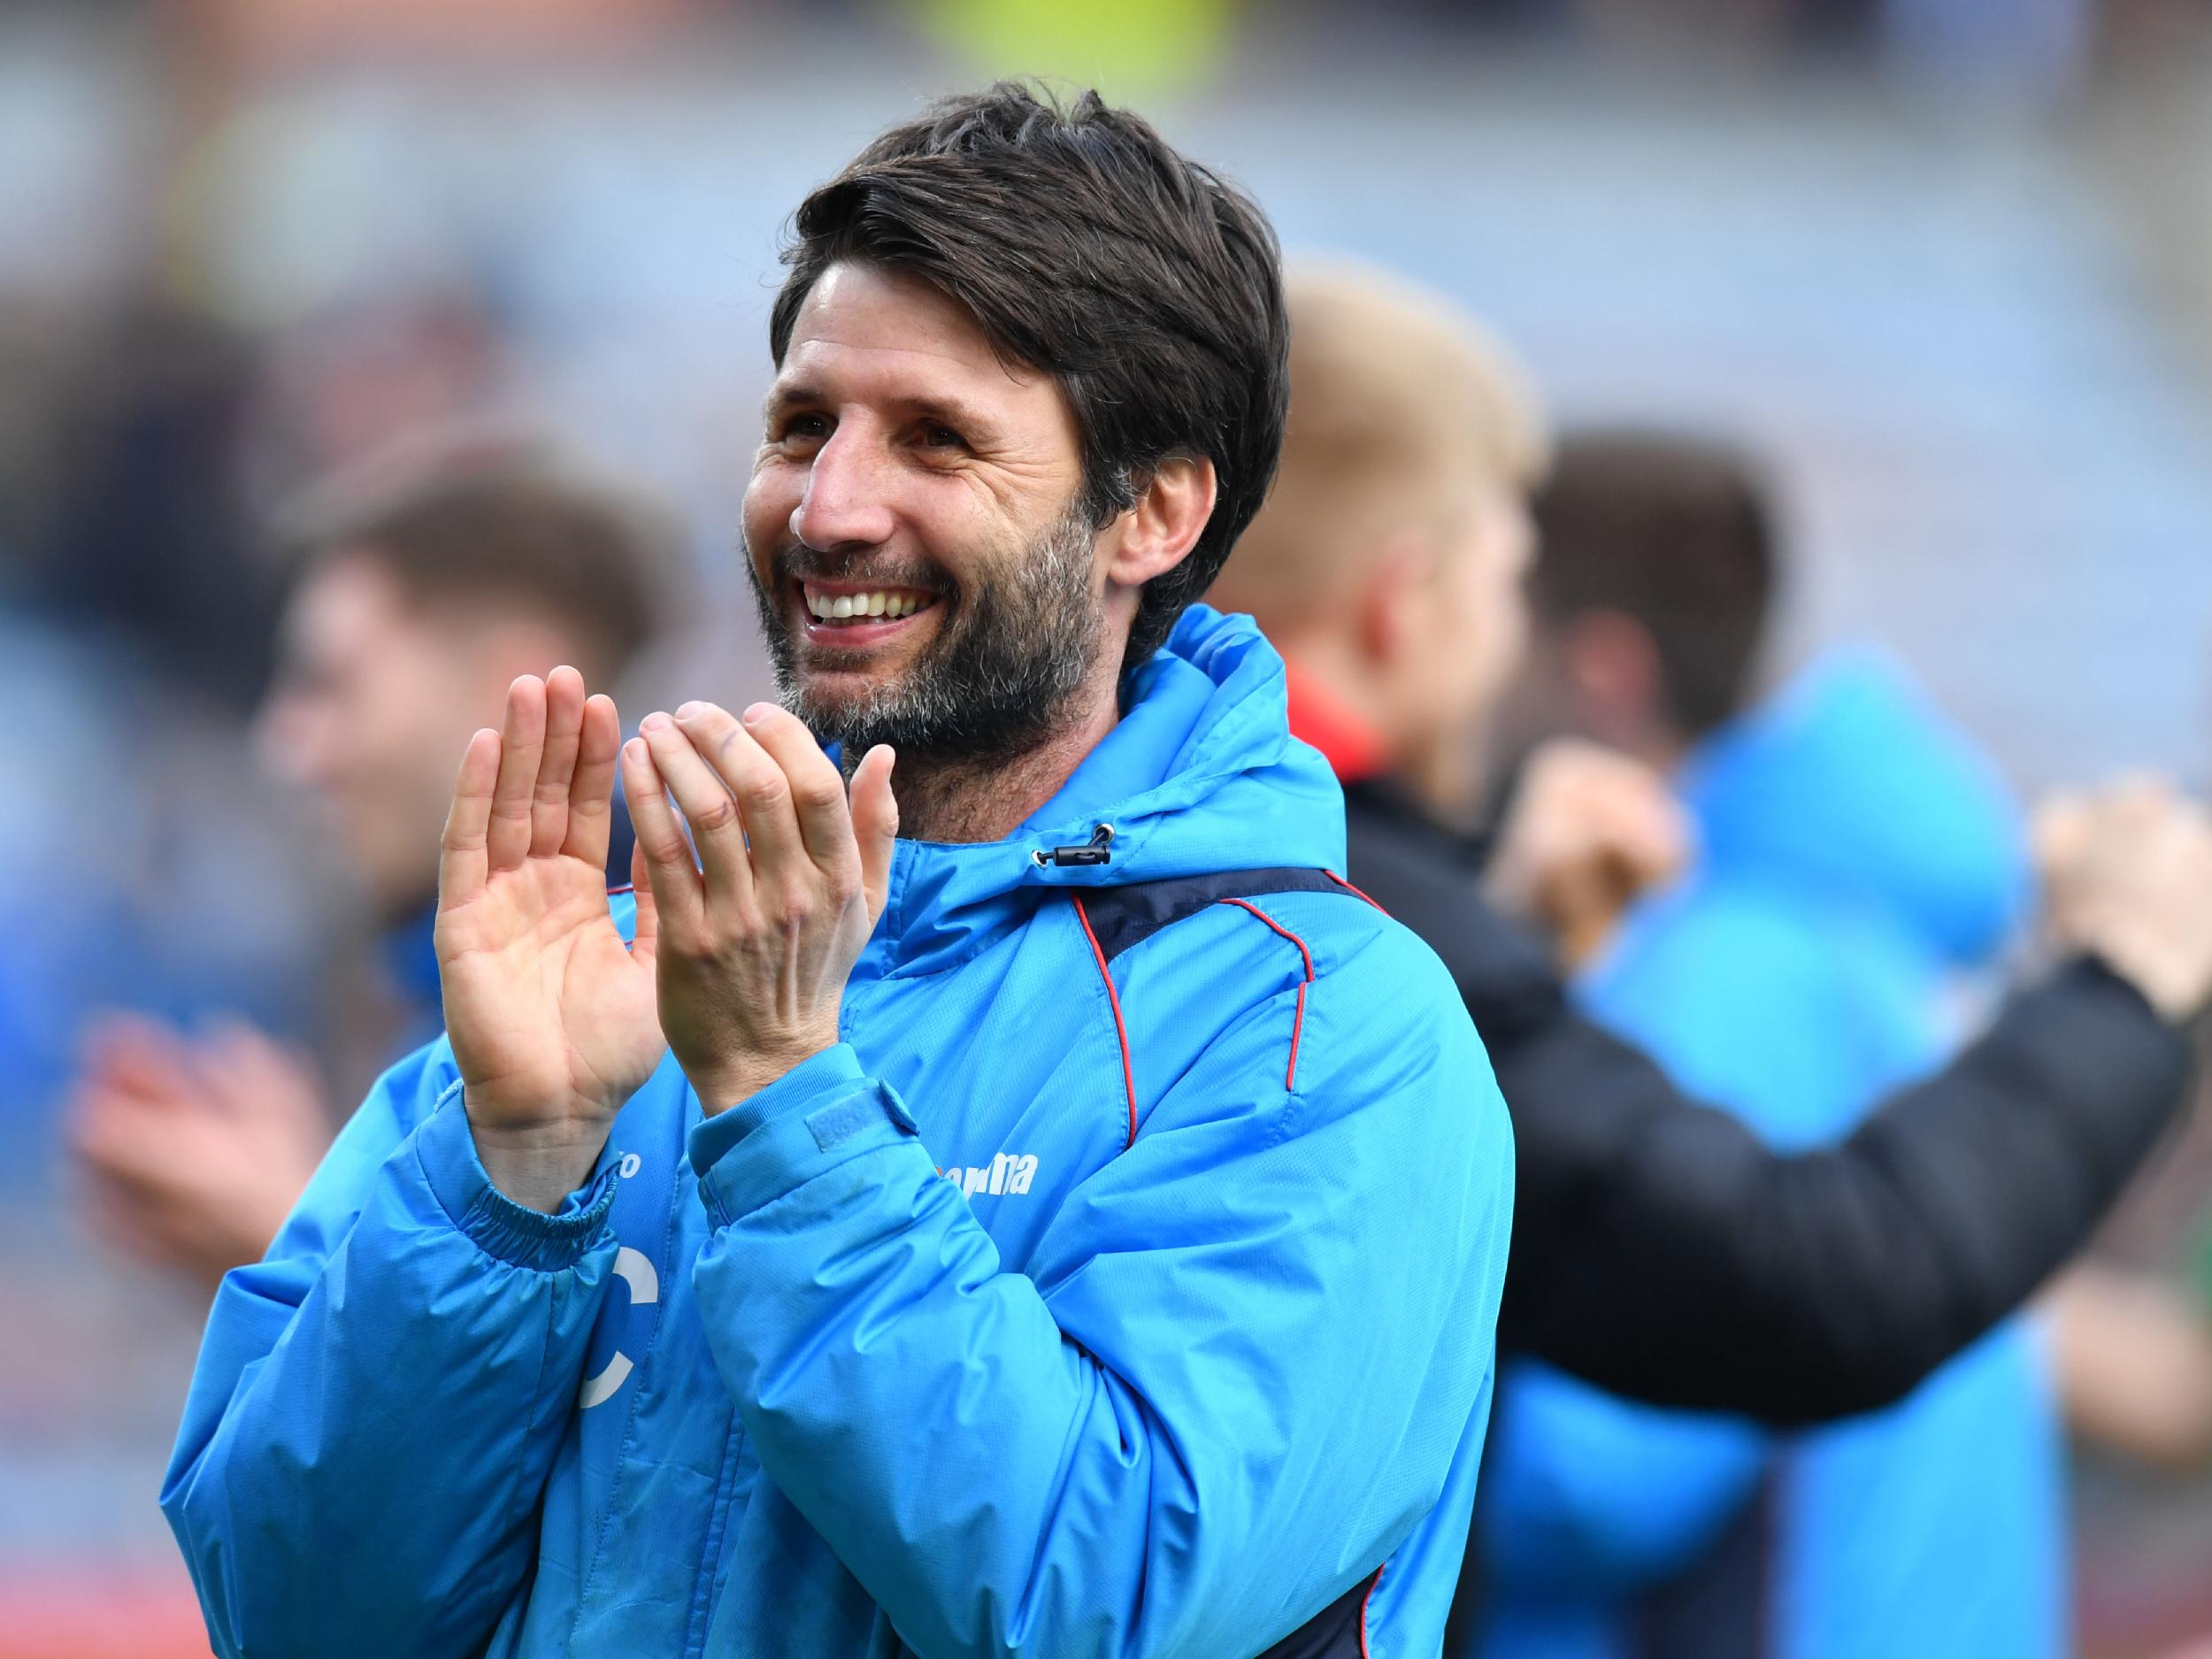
x=635, y=1268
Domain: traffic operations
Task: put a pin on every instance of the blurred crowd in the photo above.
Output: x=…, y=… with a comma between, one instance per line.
x=305, y=452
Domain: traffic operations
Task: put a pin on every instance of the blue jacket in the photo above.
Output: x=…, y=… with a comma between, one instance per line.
x=1085, y=1300
x=1857, y=856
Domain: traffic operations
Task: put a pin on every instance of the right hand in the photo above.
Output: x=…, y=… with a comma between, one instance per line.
x=551, y=1016
x=1589, y=831
x=2127, y=874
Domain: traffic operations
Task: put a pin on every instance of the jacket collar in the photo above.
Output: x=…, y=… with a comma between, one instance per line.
x=1198, y=775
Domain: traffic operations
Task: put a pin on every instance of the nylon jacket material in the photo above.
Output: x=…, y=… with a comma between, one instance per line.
x=965, y=1337
x=1855, y=851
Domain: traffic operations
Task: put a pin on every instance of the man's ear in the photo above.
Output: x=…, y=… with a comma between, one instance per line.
x=1395, y=597
x=1170, y=515
x=1613, y=674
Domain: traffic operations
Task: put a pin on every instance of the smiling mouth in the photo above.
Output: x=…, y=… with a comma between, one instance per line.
x=838, y=609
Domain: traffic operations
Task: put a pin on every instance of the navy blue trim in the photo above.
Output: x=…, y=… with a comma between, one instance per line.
x=1335, y=1632
x=1125, y=917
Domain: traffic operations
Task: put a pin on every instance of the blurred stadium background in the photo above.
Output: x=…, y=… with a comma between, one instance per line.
x=1948, y=262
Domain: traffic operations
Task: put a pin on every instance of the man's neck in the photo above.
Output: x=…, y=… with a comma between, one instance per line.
x=1330, y=708
x=952, y=798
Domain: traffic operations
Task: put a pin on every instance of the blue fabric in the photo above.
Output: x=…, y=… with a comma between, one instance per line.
x=409, y=952
x=915, y=1350
x=1856, y=856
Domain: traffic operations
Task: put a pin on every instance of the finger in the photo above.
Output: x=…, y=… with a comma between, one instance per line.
x=259, y=1077
x=816, y=787
x=2132, y=804
x=463, y=860
x=875, y=825
x=591, y=795
x=671, y=880
x=557, y=766
x=521, y=745
x=131, y=1052
x=645, y=939
x=717, y=832
x=757, y=779
x=158, y=1068
x=2059, y=833
x=125, y=1139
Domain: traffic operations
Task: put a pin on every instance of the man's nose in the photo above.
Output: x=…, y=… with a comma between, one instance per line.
x=848, y=498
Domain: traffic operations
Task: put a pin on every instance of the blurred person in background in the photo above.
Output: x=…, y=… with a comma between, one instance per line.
x=1855, y=856
x=1660, y=1247
x=417, y=600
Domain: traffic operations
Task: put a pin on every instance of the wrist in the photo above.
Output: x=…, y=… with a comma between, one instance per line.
x=2171, y=982
x=732, y=1084
x=537, y=1164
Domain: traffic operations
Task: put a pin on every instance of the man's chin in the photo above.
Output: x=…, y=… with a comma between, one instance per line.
x=840, y=705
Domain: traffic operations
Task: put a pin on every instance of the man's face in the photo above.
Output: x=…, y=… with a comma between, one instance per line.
x=924, y=575
x=373, y=704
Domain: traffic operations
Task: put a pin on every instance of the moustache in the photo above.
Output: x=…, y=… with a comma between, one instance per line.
x=795, y=561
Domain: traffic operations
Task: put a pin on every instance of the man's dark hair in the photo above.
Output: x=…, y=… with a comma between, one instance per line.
x=1675, y=532
x=513, y=531
x=1088, y=249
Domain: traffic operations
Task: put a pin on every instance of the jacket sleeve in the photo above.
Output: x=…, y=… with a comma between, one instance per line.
x=378, y=1401
x=1664, y=1252
x=1251, y=1347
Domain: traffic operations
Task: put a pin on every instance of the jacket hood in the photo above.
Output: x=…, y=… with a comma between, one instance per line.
x=1850, y=780
x=1200, y=775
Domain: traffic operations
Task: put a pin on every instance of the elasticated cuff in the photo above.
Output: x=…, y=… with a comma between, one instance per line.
x=819, y=1113
x=512, y=1233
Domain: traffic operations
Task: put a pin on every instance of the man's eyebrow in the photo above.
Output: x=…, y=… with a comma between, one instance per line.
x=964, y=418
x=788, y=395
x=952, y=411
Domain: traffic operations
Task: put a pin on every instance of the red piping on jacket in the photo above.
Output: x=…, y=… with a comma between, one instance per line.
x=1121, y=1030
x=1364, y=1601
x=1298, y=1020
x=1348, y=888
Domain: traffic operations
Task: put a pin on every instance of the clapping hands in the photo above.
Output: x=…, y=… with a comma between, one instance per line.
x=740, y=953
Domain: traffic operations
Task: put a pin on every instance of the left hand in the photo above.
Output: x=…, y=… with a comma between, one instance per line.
x=758, y=936
x=195, y=1148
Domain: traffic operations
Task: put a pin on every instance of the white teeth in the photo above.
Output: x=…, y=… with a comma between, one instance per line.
x=842, y=607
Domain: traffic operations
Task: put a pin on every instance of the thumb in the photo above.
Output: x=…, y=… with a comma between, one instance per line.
x=875, y=825
x=647, y=938
x=2060, y=835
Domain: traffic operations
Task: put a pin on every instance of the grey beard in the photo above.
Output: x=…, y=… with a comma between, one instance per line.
x=999, y=681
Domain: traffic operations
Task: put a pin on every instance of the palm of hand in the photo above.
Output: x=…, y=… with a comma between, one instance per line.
x=551, y=1016
x=543, y=999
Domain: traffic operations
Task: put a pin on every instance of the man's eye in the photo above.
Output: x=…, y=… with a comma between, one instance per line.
x=805, y=426
x=939, y=436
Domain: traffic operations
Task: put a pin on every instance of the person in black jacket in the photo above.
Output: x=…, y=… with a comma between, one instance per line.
x=1660, y=1250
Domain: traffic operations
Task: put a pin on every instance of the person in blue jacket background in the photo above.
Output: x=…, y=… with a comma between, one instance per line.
x=1857, y=860
x=1018, y=1202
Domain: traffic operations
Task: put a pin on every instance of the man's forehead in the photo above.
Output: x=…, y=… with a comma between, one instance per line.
x=862, y=320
